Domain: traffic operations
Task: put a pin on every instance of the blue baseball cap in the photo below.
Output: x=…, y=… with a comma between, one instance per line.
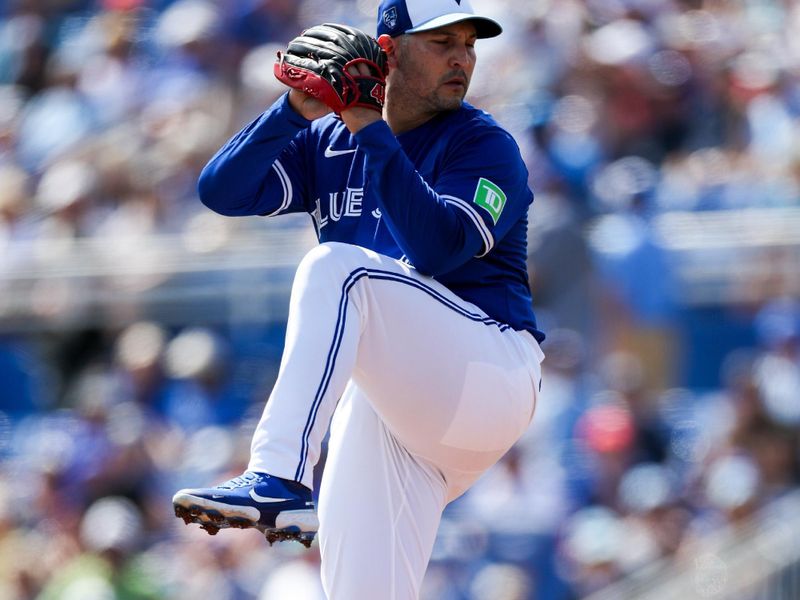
x=396, y=17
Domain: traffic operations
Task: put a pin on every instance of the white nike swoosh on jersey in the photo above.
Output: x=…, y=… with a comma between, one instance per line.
x=330, y=152
x=258, y=498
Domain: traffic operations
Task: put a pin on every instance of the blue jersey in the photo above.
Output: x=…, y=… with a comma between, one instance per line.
x=450, y=197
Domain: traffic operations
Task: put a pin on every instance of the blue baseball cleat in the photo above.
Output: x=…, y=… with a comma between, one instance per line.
x=280, y=508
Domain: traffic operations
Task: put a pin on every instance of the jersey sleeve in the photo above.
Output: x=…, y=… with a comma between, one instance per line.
x=259, y=171
x=479, y=194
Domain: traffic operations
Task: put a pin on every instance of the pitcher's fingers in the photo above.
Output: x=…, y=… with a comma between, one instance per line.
x=359, y=69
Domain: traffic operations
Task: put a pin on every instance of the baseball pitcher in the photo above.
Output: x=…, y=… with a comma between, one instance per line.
x=411, y=320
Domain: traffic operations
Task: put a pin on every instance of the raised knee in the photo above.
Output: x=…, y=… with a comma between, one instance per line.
x=335, y=257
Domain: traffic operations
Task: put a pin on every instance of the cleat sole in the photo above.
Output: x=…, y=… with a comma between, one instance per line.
x=212, y=521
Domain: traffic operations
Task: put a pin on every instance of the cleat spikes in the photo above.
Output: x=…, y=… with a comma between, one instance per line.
x=184, y=514
x=210, y=522
x=278, y=535
x=239, y=524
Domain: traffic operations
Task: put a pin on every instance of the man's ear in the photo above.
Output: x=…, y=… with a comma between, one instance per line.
x=390, y=47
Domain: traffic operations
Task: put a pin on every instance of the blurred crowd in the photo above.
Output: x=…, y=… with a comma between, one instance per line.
x=624, y=110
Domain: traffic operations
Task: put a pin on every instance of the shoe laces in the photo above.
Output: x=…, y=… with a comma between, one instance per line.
x=243, y=480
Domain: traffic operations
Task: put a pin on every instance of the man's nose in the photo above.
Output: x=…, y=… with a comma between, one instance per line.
x=460, y=56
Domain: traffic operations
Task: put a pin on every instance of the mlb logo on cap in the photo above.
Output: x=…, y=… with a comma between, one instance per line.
x=390, y=17
x=396, y=17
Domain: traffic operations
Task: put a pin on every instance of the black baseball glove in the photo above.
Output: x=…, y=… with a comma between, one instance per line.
x=317, y=63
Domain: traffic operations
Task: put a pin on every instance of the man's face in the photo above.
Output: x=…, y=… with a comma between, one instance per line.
x=434, y=67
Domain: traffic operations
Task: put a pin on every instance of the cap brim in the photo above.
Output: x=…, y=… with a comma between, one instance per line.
x=484, y=26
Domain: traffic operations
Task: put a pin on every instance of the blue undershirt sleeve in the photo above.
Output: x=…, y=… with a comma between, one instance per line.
x=259, y=170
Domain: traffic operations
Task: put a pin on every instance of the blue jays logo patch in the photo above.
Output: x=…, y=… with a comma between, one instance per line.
x=390, y=17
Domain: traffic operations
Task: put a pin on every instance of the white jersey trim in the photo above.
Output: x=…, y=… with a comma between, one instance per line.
x=286, y=184
x=483, y=230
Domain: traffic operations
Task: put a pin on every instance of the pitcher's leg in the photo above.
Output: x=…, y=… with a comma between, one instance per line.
x=322, y=335
x=451, y=384
x=412, y=345
x=379, y=509
x=454, y=387
x=326, y=317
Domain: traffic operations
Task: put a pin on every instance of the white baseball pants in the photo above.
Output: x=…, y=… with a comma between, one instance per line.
x=433, y=392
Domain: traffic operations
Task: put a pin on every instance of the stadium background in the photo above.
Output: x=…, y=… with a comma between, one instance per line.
x=140, y=334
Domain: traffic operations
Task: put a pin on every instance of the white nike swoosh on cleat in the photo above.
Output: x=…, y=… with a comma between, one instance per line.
x=258, y=498
x=330, y=152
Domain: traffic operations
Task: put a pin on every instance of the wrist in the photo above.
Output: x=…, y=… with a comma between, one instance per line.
x=357, y=118
x=296, y=101
x=306, y=106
